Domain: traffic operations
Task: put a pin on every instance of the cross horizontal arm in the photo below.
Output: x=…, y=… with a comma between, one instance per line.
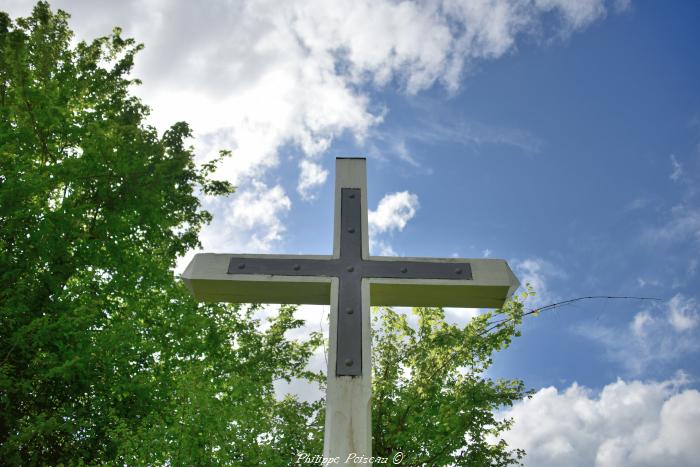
x=482, y=283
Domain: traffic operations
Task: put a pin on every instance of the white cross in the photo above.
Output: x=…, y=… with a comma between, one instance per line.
x=351, y=281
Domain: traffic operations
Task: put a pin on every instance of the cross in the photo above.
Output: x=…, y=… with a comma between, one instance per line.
x=351, y=281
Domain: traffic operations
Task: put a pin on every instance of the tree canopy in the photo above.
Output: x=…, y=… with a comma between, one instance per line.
x=105, y=357
x=431, y=399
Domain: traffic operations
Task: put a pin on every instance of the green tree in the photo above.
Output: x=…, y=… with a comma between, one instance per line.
x=104, y=357
x=431, y=400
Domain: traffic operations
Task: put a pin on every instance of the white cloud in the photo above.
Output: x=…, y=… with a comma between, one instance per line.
x=261, y=75
x=627, y=424
x=460, y=316
x=641, y=282
x=382, y=248
x=486, y=253
x=312, y=175
x=637, y=203
x=658, y=335
x=433, y=128
x=677, y=171
x=684, y=224
x=537, y=272
x=379, y=40
x=639, y=323
x=259, y=209
x=399, y=147
x=576, y=14
x=683, y=313
x=271, y=73
x=393, y=212
x=622, y=5
x=250, y=221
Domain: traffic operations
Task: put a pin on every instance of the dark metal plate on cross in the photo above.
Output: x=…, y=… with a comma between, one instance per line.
x=350, y=268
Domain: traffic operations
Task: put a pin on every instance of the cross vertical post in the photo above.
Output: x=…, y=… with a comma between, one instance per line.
x=348, y=426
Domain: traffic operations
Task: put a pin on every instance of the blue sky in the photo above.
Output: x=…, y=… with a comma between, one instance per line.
x=561, y=135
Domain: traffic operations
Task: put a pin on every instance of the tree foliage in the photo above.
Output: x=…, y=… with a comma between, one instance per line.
x=431, y=400
x=104, y=356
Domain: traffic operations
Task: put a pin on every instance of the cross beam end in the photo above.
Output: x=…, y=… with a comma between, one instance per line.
x=492, y=283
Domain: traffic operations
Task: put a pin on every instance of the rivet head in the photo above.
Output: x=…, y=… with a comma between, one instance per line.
x=352, y=196
x=351, y=230
x=350, y=269
x=348, y=362
x=297, y=267
x=349, y=311
x=404, y=270
x=241, y=266
x=458, y=271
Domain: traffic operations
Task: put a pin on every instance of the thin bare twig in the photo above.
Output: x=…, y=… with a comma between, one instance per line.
x=551, y=306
